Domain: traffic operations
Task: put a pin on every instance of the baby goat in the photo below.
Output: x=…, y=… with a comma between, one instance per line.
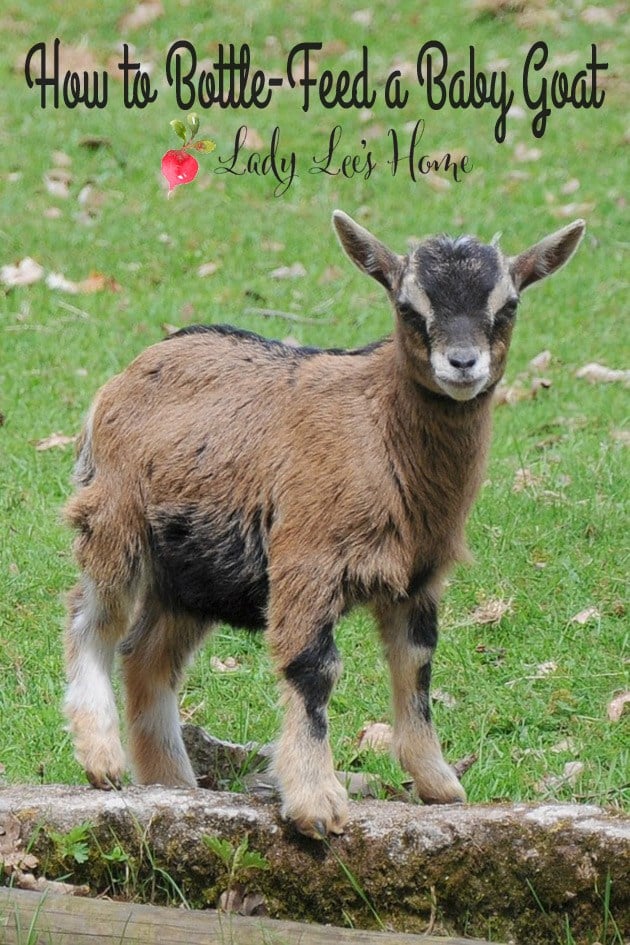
x=225, y=477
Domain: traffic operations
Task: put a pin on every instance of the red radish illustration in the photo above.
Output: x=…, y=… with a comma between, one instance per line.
x=180, y=166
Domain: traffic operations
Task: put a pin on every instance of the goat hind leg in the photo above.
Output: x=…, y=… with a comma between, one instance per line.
x=153, y=659
x=409, y=632
x=97, y=621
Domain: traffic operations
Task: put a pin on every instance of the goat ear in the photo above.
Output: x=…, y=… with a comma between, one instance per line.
x=545, y=257
x=365, y=251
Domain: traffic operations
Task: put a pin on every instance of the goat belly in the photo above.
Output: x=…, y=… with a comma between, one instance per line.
x=211, y=567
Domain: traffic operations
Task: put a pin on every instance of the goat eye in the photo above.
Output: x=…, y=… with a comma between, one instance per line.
x=407, y=310
x=509, y=309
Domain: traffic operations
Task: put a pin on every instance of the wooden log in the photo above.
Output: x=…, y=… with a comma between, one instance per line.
x=522, y=872
x=67, y=921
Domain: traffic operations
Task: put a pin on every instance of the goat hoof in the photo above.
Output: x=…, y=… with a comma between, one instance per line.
x=318, y=829
x=104, y=782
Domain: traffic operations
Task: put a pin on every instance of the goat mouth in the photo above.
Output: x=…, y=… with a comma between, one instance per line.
x=462, y=388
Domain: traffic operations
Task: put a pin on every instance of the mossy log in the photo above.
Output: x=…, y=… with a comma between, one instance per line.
x=510, y=872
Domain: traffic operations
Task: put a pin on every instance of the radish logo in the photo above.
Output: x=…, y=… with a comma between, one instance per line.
x=179, y=166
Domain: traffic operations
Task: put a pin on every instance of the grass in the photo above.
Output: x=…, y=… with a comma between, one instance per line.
x=552, y=549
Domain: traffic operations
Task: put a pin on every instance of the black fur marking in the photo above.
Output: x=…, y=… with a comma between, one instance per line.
x=313, y=673
x=212, y=568
x=271, y=345
x=419, y=580
x=423, y=623
x=422, y=698
x=457, y=275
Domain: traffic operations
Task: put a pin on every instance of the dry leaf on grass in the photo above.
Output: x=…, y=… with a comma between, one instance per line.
x=524, y=152
x=295, y=271
x=600, y=374
x=541, y=362
x=589, y=613
x=570, y=774
x=376, y=736
x=570, y=210
x=228, y=665
x=617, y=706
x=95, y=282
x=525, y=479
x=491, y=611
x=57, y=182
x=599, y=16
x=565, y=744
x=207, y=269
x=444, y=698
x=54, y=441
x=26, y=272
x=142, y=15
x=362, y=17
x=252, y=140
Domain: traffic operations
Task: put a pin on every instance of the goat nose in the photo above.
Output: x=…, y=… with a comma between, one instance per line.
x=462, y=358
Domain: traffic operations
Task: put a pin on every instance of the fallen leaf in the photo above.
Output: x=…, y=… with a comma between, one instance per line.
x=524, y=152
x=228, y=665
x=599, y=16
x=566, y=744
x=272, y=246
x=142, y=15
x=570, y=774
x=621, y=436
x=539, y=383
x=95, y=282
x=541, y=362
x=490, y=611
x=56, y=280
x=376, y=736
x=589, y=613
x=61, y=159
x=617, y=706
x=26, y=272
x=295, y=271
x=207, y=269
x=599, y=374
x=444, y=698
x=57, y=182
x=362, y=17
x=570, y=210
x=545, y=669
x=252, y=140
x=331, y=274
x=99, y=282
x=570, y=186
x=525, y=479
x=54, y=441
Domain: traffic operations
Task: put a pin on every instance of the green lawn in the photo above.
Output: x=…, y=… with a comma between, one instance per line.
x=527, y=694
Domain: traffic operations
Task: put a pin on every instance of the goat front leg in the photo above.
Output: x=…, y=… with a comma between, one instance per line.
x=309, y=666
x=409, y=633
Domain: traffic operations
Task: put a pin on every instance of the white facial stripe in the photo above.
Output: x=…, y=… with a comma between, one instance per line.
x=503, y=290
x=415, y=295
